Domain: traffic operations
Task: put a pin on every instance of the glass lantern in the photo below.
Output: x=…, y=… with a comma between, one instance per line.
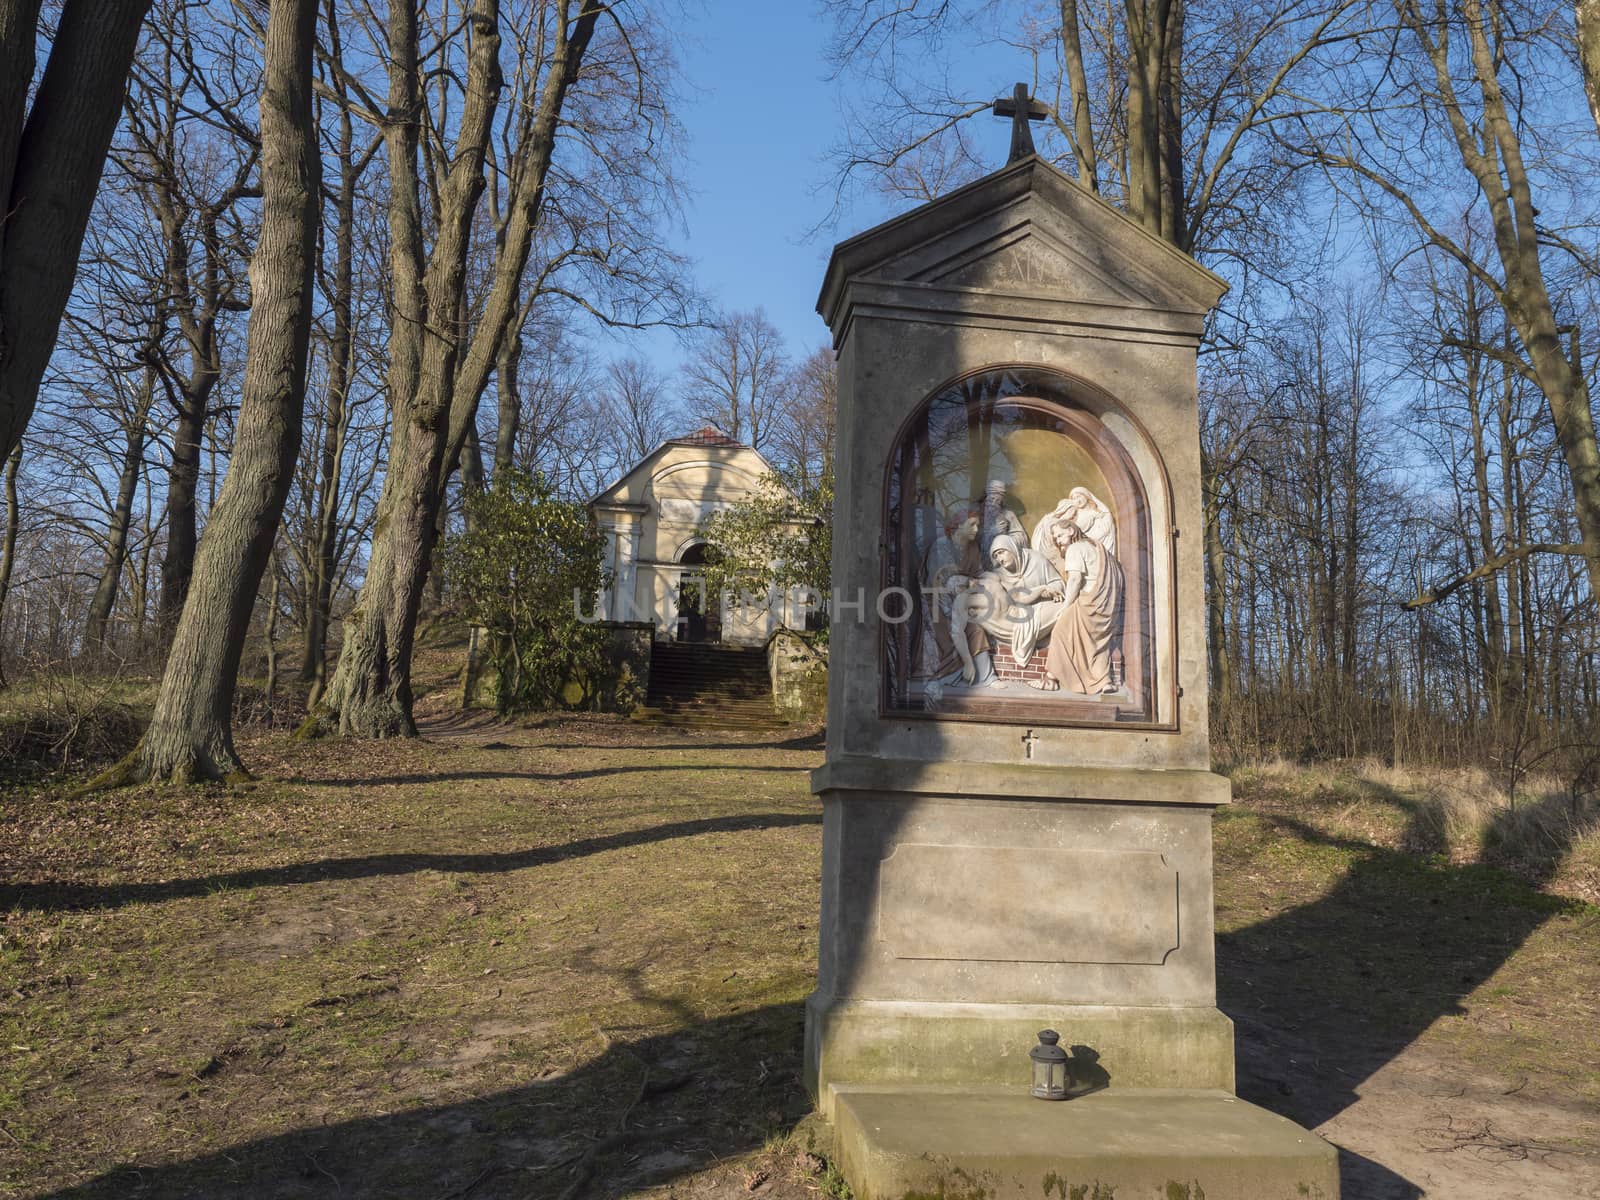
x=1049, y=1067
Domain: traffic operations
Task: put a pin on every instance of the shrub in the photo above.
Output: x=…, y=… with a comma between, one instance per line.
x=778, y=540
x=526, y=570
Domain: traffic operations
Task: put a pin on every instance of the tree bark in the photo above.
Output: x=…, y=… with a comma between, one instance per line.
x=183, y=501
x=509, y=401
x=322, y=559
x=190, y=735
x=50, y=165
x=105, y=592
x=1216, y=592
x=1082, y=129
x=371, y=691
x=8, y=544
x=1587, y=15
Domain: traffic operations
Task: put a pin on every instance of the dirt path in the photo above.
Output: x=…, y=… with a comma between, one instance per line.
x=504, y=961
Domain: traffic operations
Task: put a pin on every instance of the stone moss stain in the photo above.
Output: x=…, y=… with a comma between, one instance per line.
x=1185, y=1191
x=959, y=1185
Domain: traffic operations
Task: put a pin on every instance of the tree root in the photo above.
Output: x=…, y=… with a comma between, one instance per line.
x=320, y=722
x=133, y=769
x=125, y=772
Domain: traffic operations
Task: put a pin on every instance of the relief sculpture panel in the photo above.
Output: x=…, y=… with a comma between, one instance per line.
x=1020, y=567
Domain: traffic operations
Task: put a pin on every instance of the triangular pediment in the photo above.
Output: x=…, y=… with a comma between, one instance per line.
x=632, y=487
x=1027, y=230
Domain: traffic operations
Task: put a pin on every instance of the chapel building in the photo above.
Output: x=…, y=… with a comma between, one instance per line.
x=652, y=518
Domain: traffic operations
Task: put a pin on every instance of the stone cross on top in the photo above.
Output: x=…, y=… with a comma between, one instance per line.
x=1021, y=110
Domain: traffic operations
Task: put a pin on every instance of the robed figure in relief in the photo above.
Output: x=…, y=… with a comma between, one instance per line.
x=1079, y=657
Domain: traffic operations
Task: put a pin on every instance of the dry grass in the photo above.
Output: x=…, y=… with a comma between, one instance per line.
x=510, y=961
x=1543, y=831
x=408, y=965
x=60, y=720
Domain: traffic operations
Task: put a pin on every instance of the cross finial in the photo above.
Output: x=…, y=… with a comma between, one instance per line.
x=1021, y=110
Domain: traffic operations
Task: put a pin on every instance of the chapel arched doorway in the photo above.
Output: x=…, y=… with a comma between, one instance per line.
x=699, y=614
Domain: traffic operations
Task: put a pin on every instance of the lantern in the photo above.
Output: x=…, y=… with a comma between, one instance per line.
x=1049, y=1067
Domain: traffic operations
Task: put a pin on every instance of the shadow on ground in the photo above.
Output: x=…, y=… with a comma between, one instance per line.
x=1323, y=996
x=1327, y=993
x=532, y=776
x=51, y=895
x=643, y=1112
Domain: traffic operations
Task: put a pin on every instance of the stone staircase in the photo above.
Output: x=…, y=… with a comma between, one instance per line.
x=699, y=685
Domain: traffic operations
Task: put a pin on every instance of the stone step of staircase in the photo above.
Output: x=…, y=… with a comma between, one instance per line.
x=698, y=685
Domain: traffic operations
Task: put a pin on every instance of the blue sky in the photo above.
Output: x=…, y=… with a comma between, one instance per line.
x=761, y=115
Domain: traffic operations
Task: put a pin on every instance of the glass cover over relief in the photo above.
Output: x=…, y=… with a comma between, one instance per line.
x=1018, y=566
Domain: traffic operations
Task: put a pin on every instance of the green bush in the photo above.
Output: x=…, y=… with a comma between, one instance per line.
x=777, y=540
x=527, y=570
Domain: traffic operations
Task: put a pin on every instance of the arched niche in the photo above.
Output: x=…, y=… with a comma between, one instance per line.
x=1055, y=634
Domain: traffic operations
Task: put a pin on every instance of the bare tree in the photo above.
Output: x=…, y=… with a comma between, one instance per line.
x=803, y=443
x=447, y=341
x=50, y=161
x=1465, y=88
x=636, y=409
x=737, y=377
x=324, y=481
x=192, y=164
x=560, y=433
x=190, y=735
x=1161, y=107
x=8, y=540
x=134, y=419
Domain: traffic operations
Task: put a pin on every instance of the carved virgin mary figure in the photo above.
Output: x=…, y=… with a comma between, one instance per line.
x=1014, y=604
x=1079, y=657
x=1088, y=512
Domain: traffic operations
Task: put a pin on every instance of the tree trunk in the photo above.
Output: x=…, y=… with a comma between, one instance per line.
x=371, y=691
x=50, y=166
x=105, y=592
x=1216, y=592
x=1082, y=130
x=190, y=735
x=183, y=501
x=322, y=560
x=269, y=689
x=1587, y=15
x=8, y=547
x=510, y=401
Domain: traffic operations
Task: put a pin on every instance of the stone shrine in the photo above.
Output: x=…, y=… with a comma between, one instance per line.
x=1017, y=789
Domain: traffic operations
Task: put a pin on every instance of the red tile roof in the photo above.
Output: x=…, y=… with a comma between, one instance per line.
x=707, y=435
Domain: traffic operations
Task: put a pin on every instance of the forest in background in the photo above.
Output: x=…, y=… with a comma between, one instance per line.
x=1402, y=485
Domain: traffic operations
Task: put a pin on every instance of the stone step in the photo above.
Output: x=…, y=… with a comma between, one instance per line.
x=733, y=695
x=706, y=686
x=676, y=720
x=1182, y=1145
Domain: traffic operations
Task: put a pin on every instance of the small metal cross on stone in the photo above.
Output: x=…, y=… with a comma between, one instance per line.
x=1021, y=110
x=1028, y=739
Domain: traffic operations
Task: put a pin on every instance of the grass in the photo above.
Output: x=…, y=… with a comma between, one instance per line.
x=412, y=941
x=573, y=954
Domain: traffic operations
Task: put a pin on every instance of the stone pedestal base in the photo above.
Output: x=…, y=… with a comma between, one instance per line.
x=888, y=1043
x=962, y=1144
